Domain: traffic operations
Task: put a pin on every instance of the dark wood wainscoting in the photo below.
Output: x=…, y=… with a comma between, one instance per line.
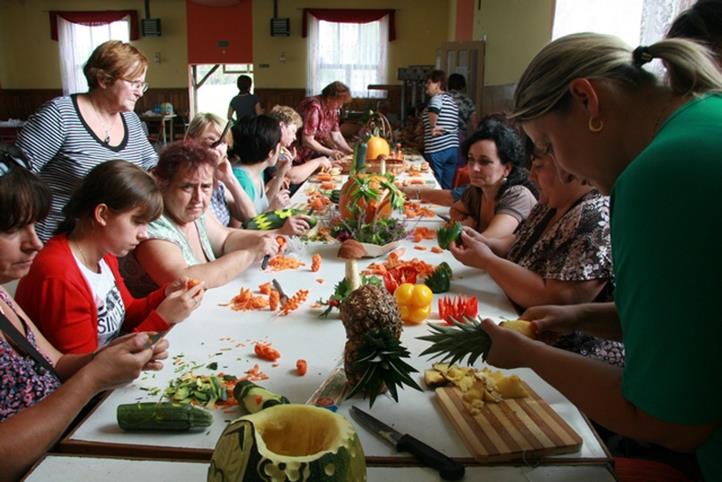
x=21, y=103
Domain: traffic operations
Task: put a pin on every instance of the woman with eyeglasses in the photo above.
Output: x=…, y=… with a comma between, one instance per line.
x=43, y=390
x=70, y=135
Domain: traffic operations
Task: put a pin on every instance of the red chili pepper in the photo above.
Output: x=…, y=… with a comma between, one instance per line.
x=301, y=367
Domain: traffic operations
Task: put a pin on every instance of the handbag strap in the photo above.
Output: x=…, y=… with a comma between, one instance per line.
x=22, y=342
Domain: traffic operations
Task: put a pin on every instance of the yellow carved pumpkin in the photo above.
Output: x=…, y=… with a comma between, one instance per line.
x=377, y=146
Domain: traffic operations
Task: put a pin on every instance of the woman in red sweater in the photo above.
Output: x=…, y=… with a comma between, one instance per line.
x=74, y=290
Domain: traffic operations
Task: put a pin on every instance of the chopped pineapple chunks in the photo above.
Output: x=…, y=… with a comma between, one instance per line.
x=477, y=386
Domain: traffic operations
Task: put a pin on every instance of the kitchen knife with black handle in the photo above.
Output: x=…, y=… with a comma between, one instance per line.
x=448, y=469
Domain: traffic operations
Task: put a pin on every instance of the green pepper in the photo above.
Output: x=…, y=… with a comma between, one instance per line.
x=448, y=235
x=440, y=279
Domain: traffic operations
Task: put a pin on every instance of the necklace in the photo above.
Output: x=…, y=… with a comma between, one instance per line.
x=106, y=129
x=82, y=257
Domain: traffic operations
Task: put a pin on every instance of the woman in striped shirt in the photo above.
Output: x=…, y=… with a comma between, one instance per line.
x=441, y=139
x=70, y=135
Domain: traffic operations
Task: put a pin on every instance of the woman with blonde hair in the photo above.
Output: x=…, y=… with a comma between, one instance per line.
x=229, y=202
x=290, y=122
x=68, y=136
x=587, y=100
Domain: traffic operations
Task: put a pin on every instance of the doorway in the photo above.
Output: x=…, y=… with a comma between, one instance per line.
x=214, y=85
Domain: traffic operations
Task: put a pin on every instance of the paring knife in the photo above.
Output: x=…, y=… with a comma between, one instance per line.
x=448, y=468
x=283, y=298
x=444, y=217
x=223, y=134
x=266, y=259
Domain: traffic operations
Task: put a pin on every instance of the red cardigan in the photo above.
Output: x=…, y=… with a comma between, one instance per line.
x=57, y=298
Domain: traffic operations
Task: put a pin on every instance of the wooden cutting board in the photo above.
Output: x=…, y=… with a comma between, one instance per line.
x=515, y=429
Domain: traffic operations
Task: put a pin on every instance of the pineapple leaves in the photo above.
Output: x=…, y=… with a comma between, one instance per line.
x=380, y=358
x=456, y=342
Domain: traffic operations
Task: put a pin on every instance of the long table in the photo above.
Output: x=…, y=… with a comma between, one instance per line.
x=215, y=333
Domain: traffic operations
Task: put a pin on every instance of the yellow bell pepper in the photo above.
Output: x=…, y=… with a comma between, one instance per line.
x=415, y=302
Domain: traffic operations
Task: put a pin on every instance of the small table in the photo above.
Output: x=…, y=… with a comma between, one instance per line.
x=164, y=121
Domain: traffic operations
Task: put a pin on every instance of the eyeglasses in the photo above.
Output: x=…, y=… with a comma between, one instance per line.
x=138, y=85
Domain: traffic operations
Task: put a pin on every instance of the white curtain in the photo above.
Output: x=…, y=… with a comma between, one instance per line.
x=354, y=53
x=76, y=42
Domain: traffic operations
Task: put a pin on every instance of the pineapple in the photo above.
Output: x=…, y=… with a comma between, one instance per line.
x=372, y=356
x=467, y=338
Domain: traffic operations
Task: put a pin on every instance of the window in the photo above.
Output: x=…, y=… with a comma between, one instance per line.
x=616, y=17
x=77, y=41
x=637, y=22
x=354, y=53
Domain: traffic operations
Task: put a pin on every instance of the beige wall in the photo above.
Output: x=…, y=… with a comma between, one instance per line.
x=29, y=58
x=515, y=30
x=421, y=26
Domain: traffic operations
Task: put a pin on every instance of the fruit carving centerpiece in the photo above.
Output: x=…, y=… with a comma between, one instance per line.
x=366, y=204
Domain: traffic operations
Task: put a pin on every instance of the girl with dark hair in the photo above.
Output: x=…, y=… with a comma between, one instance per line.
x=74, y=289
x=257, y=145
x=42, y=389
x=186, y=240
x=500, y=195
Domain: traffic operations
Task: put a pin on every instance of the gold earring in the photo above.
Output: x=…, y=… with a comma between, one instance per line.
x=597, y=128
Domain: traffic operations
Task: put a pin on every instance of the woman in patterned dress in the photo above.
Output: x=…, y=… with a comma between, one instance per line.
x=560, y=254
x=321, y=135
x=43, y=392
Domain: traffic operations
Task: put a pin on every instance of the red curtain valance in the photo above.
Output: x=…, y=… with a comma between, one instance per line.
x=100, y=17
x=350, y=15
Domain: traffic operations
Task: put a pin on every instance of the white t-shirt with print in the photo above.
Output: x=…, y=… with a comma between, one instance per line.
x=111, y=310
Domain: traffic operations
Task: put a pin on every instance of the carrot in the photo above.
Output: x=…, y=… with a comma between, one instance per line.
x=315, y=262
x=266, y=352
x=274, y=299
x=301, y=367
x=436, y=249
x=191, y=283
x=265, y=288
x=294, y=302
x=280, y=263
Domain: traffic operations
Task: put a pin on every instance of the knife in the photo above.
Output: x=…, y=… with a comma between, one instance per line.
x=448, y=468
x=444, y=217
x=266, y=259
x=283, y=298
x=223, y=134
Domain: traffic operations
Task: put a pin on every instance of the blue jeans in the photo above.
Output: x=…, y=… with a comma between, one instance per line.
x=443, y=163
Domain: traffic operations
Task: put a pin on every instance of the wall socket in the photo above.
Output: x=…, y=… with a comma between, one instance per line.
x=263, y=66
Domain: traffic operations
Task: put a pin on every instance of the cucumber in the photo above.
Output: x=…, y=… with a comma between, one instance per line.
x=256, y=398
x=162, y=417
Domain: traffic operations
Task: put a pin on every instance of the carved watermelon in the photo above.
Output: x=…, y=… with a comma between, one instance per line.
x=289, y=443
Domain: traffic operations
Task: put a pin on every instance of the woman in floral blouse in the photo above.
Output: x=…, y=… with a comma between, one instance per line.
x=321, y=135
x=42, y=390
x=559, y=255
